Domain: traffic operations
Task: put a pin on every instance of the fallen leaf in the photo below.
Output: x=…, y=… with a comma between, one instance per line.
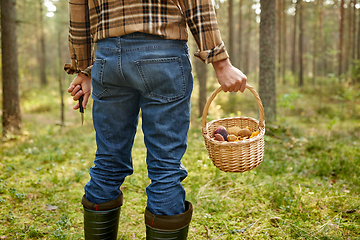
x=275, y=221
x=350, y=211
x=51, y=207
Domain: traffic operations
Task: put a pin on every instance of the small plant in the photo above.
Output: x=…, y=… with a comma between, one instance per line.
x=355, y=71
x=287, y=100
x=59, y=234
x=34, y=233
x=79, y=175
x=63, y=222
x=19, y=196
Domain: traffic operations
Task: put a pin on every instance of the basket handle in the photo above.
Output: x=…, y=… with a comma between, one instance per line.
x=256, y=95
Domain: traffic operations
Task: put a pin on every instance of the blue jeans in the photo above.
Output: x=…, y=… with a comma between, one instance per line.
x=130, y=73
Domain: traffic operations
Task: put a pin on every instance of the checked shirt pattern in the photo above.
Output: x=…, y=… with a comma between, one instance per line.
x=93, y=20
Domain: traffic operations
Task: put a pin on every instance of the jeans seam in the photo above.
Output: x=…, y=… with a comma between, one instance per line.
x=120, y=69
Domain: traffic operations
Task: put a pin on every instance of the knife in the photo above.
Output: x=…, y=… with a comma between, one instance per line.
x=81, y=109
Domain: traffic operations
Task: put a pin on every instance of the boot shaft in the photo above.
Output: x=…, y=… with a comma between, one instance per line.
x=157, y=234
x=174, y=227
x=101, y=221
x=101, y=225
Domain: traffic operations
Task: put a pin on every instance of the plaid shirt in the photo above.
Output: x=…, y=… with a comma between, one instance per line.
x=93, y=20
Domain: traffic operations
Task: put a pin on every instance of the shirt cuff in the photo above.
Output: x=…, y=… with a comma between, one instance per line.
x=71, y=69
x=87, y=71
x=216, y=54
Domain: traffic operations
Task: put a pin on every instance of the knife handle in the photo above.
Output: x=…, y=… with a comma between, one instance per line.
x=80, y=104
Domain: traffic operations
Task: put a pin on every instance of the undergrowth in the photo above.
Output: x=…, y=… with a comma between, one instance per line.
x=307, y=186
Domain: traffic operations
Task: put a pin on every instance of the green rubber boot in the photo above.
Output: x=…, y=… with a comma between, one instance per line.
x=101, y=221
x=168, y=227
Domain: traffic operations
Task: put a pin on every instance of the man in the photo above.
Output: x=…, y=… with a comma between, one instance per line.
x=142, y=63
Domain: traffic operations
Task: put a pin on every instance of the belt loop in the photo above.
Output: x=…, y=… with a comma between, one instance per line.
x=118, y=41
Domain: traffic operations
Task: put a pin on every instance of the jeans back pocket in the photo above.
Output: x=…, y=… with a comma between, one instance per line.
x=97, y=73
x=163, y=78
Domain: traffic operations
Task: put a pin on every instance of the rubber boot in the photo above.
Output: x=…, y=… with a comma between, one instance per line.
x=101, y=221
x=174, y=227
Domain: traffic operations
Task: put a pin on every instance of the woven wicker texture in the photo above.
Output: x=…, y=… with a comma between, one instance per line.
x=239, y=156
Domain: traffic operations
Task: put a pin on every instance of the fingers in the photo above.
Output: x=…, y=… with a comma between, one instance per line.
x=71, y=88
x=80, y=86
x=236, y=88
x=234, y=85
x=243, y=84
x=75, y=86
x=75, y=91
x=243, y=87
x=85, y=100
x=76, y=106
x=77, y=94
x=229, y=77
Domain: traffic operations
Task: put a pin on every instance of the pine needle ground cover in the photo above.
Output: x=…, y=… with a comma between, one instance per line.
x=306, y=188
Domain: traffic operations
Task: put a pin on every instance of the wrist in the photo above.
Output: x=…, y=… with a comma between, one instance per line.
x=221, y=64
x=84, y=77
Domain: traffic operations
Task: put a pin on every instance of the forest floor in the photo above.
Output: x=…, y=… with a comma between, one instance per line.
x=307, y=186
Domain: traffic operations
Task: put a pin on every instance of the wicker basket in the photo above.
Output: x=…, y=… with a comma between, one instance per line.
x=239, y=156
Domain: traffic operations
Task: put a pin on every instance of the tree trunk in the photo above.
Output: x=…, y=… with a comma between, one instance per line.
x=267, y=85
x=247, y=49
x=316, y=41
x=341, y=32
x=60, y=77
x=348, y=44
x=358, y=39
x=354, y=51
x=354, y=30
x=240, y=34
x=279, y=37
x=201, y=73
x=293, y=52
x=284, y=42
x=230, y=45
x=301, y=44
x=247, y=43
x=11, y=119
x=358, y=46
x=42, y=57
x=321, y=44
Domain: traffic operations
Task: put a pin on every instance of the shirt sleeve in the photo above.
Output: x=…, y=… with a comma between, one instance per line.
x=80, y=40
x=201, y=19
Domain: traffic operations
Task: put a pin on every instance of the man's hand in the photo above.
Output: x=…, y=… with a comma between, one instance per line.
x=82, y=82
x=229, y=77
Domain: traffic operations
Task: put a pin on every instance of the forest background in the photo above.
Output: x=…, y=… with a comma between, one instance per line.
x=308, y=184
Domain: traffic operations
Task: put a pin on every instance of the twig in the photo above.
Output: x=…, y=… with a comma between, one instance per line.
x=327, y=223
x=207, y=232
x=296, y=227
x=202, y=188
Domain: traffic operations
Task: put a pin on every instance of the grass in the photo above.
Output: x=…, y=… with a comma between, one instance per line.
x=306, y=188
